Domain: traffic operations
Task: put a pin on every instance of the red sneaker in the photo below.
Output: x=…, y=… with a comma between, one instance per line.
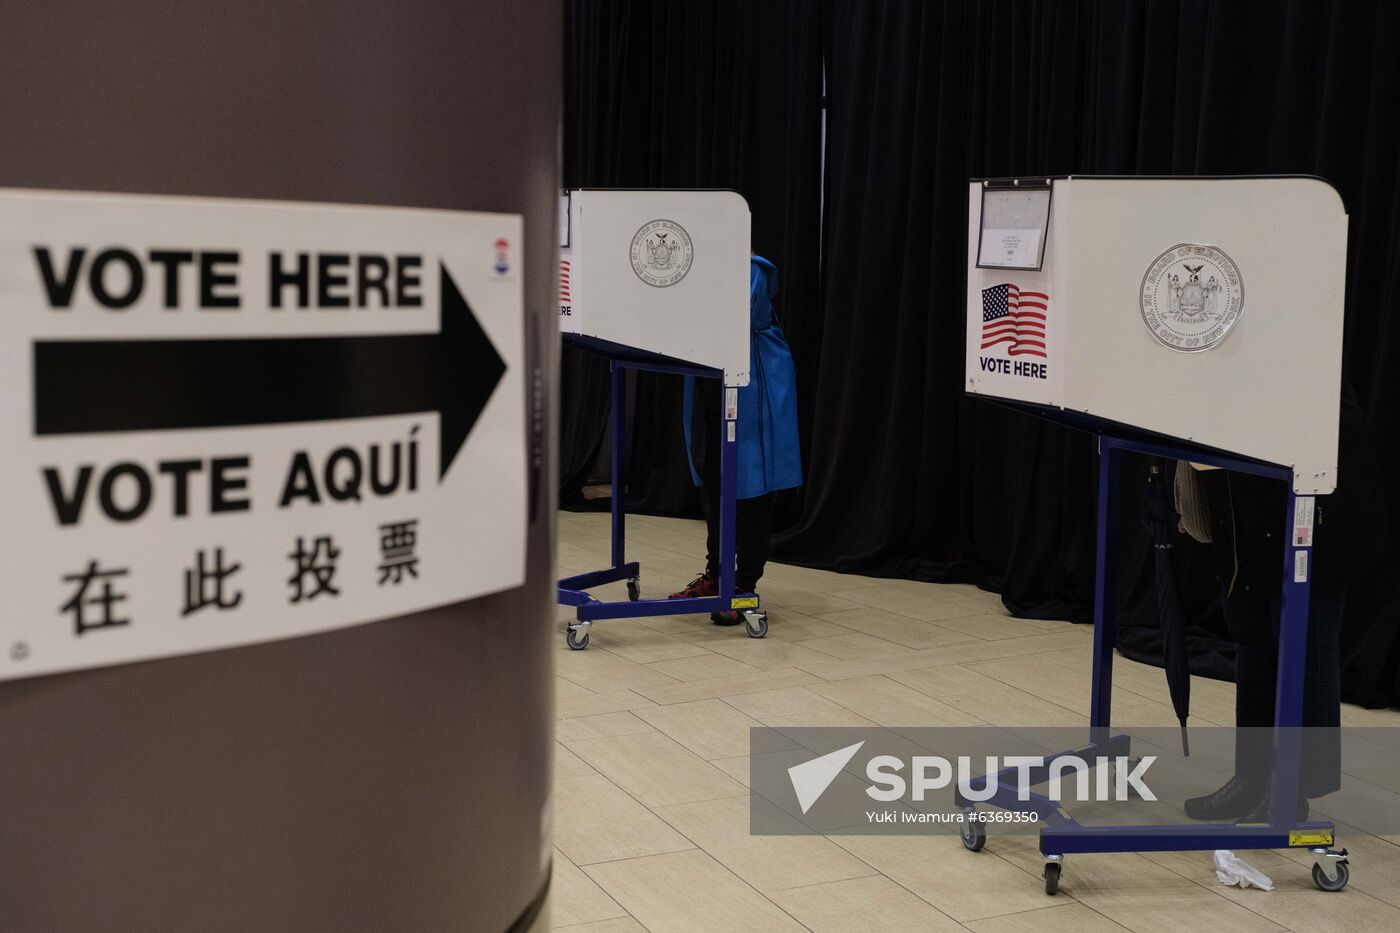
x=732, y=617
x=707, y=584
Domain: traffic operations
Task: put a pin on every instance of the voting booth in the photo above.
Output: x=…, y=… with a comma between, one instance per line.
x=1192, y=318
x=658, y=280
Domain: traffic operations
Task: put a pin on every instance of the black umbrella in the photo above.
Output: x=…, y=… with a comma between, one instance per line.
x=1161, y=521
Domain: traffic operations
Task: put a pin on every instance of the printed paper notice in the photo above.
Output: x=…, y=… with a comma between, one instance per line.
x=1303, y=510
x=1014, y=249
x=1014, y=225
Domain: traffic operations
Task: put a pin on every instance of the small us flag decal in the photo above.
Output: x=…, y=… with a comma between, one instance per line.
x=1015, y=319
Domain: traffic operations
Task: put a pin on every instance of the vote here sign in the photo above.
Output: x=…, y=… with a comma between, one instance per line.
x=228, y=421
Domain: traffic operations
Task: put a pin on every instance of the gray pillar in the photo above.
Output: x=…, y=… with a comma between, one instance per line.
x=391, y=777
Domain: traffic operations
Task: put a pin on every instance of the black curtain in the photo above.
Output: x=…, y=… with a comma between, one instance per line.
x=907, y=478
x=699, y=95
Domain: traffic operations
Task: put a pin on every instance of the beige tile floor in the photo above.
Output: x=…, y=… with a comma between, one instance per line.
x=651, y=806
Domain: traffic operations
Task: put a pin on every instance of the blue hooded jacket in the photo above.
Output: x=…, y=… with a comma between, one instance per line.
x=766, y=434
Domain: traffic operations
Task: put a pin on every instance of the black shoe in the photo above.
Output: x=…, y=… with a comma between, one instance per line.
x=1231, y=802
x=1260, y=813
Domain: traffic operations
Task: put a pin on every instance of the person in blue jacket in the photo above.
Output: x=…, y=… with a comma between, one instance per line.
x=766, y=436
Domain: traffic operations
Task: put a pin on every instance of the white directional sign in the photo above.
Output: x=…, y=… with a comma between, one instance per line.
x=227, y=422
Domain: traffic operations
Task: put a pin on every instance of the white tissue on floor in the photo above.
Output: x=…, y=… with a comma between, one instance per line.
x=1233, y=870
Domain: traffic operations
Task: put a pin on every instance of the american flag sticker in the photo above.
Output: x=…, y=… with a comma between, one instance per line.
x=1015, y=319
x=564, y=296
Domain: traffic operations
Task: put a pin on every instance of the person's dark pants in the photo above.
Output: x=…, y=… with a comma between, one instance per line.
x=753, y=516
x=1254, y=625
x=1248, y=515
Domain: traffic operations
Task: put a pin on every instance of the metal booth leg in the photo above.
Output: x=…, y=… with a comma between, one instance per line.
x=755, y=619
x=619, y=478
x=577, y=632
x=1100, y=712
x=1292, y=667
x=728, y=495
x=1331, y=870
x=619, y=464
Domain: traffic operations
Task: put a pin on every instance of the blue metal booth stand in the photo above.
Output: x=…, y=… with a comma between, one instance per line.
x=573, y=591
x=1062, y=834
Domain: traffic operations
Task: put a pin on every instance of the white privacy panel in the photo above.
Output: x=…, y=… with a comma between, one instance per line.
x=1208, y=310
x=661, y=271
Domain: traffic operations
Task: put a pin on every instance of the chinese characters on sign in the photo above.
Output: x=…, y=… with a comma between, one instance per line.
x=103, y=602
x=318, y=564
x=198, y=580
x=95, y=591
x=397, y=540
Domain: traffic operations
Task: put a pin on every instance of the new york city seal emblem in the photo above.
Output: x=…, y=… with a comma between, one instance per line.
x=1192, y=295
x=661, y=253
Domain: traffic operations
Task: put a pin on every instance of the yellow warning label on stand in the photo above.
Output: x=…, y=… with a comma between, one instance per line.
x=745, y=602
x=1310, y=838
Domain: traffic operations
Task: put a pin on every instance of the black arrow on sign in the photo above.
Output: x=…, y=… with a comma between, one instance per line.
x=98, y=386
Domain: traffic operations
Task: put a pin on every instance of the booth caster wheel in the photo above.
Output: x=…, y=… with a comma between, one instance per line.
x=577, y=639
x=756, y=623
x=634, y=589
x=1052, y=877
x=1330, y=871
x=1332, y=884
x=973, y=833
